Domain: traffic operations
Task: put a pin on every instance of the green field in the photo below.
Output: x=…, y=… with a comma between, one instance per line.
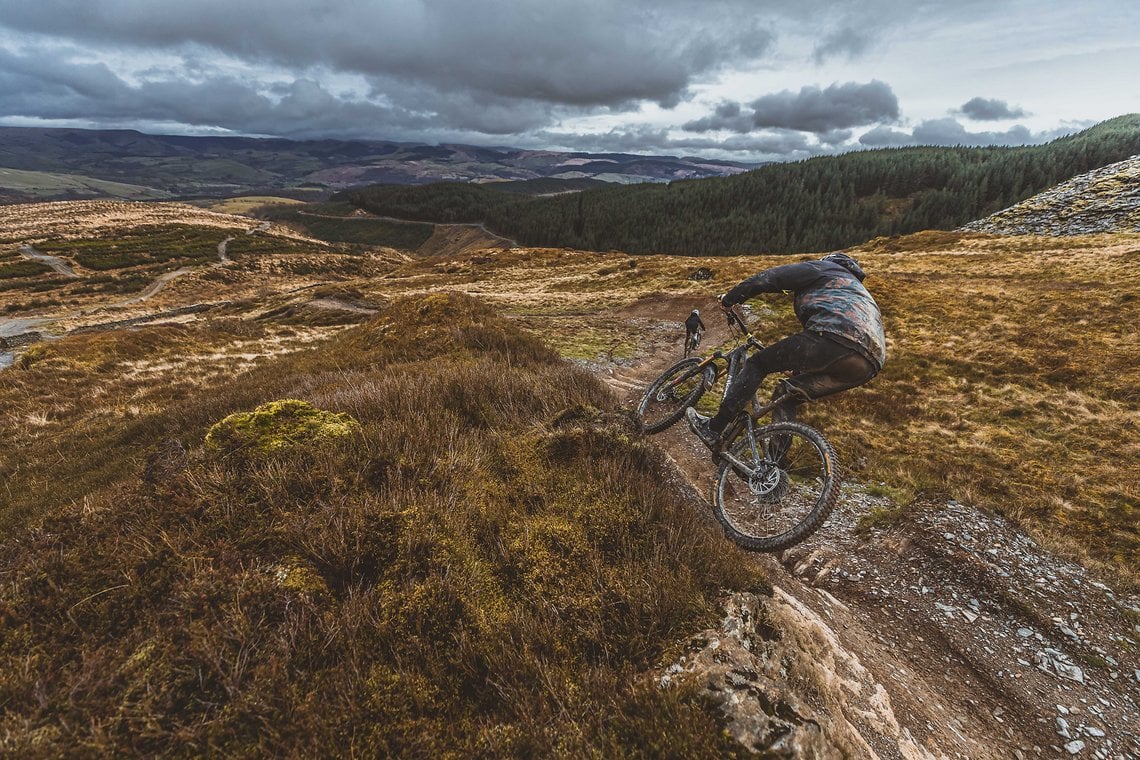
x=36, y=185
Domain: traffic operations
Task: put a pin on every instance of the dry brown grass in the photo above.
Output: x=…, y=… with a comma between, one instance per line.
x=483, y=568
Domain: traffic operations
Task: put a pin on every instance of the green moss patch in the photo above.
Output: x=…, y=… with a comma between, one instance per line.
x=279, y=425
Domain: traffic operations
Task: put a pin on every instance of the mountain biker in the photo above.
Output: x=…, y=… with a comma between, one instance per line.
x=692, y=325
x=842, y=345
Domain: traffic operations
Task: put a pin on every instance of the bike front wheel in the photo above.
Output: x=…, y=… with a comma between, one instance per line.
x=678, y=388
x=776, y=487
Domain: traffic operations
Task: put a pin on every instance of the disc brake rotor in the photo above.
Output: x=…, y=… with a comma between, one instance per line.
x=768, y=482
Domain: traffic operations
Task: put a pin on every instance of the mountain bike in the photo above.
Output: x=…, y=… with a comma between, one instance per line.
x=692, y=341
x=775, y=483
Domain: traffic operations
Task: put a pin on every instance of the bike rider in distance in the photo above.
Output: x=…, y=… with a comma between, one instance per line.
x=693, y=328
x=842, y=345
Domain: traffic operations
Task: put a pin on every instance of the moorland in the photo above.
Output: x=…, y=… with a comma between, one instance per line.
x=487, y=557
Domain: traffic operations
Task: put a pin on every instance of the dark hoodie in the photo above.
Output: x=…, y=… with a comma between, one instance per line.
x=829, y=298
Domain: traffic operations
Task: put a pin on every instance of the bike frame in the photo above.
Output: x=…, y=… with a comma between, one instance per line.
x=745, y=423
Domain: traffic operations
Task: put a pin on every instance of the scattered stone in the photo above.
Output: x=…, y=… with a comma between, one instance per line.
x=1059, y=664
x=1024, y=632
x=1063, y=728
x=1093, y=731
x=1074, y=746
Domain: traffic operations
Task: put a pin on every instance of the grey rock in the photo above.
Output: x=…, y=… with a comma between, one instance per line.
x=1074, y=746
x=760, y=710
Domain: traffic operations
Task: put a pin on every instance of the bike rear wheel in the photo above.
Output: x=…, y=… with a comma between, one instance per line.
x=678, y=388
x=781, y=492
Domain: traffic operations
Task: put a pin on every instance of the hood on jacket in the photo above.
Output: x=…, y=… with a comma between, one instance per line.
x=847, y=262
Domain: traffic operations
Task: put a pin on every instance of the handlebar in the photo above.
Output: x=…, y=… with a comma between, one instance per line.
x=735, y=320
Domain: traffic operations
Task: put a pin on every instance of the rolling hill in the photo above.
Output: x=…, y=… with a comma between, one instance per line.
x=449, y=541
x=180, y=166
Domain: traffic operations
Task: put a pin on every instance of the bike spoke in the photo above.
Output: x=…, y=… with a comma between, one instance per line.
x=778, y=493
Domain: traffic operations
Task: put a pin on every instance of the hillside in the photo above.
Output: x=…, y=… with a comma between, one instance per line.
x=541, y=567
x=83, y=162
x=350, y=581
x=1103, y=200
x=824, y=203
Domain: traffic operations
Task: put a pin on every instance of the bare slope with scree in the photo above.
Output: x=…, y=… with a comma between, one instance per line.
x=1102, y=200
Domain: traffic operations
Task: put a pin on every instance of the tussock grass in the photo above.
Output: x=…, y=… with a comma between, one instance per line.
x=484, y=567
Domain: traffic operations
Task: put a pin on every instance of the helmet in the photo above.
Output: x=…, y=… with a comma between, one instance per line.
x=847, y=262
x=696, y=312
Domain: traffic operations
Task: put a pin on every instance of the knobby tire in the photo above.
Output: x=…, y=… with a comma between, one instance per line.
x=672, y=405
x=801, y=496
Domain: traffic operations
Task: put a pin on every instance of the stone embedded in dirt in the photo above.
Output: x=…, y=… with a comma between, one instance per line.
x=1074, y=746
x=1024, y=632
x=1059, y=664
x=1093, y=731
x=1063, y=728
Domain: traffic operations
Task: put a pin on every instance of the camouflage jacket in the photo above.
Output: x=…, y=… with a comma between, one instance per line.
x=828, y=299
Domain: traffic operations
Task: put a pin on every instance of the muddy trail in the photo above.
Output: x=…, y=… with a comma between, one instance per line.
x=945, y=633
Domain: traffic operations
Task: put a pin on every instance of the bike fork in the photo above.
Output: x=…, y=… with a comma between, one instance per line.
x=743, y=468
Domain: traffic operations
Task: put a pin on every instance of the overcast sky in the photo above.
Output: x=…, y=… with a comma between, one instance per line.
x=744, y=79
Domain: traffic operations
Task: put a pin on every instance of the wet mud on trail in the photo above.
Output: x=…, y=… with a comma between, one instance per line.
x=976, y=641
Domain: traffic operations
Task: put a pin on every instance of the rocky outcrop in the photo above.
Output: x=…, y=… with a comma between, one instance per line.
x=1103, y=200
x=766, y=666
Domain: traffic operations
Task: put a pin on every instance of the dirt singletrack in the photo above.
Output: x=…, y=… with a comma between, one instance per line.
x=947, y=633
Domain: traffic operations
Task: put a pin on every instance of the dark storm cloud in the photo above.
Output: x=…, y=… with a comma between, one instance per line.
x=454, y=70
x=839, y=107
x=727, y=116
x=40, y=84
x=948, y=132
x=984, y=109
x=587, y=53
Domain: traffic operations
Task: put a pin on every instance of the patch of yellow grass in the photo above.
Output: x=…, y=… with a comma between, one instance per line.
x=246, y=203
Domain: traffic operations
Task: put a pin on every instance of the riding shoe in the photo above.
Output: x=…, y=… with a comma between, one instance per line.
x=699, y=424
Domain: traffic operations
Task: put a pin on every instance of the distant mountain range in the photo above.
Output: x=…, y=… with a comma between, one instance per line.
x=44, y=164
